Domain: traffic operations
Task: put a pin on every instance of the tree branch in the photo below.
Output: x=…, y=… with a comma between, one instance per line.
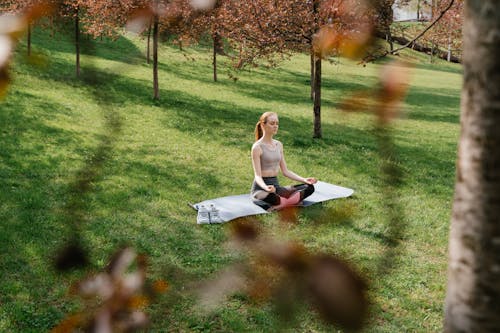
x=373, y=58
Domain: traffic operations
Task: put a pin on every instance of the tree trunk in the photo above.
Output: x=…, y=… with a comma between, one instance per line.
x=473, y=293
x=148, y=48
x=317, y=99
x=389, y=38
x=434, y=10
x=156, y=90
x=28, y=39
x=312, y=75
x=77, y=41
x=448, y=56
x=215, y=56
x=317, y=78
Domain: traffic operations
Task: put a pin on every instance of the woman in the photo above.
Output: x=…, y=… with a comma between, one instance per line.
x=267, y=160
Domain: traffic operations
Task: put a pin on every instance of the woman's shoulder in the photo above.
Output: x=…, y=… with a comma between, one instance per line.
x=278, y=143
x=256, y=146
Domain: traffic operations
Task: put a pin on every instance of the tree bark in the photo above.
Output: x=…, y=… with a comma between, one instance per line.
x=317, y=99
x=77, y=41
x=148, y=48
x=312, y=75
x=448, y=55
x=317, y=79
x=215, y=55
x=473, y=294
x=388, y=38
x=156, y=90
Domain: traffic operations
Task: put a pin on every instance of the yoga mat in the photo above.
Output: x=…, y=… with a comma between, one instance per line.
x=234, y=206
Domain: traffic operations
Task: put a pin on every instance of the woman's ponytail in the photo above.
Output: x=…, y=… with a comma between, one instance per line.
x=258, y=131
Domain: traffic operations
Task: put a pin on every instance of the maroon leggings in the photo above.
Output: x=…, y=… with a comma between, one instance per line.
x=273, y=199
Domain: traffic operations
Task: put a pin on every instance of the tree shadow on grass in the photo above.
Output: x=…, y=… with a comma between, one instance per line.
x=29, y=179
x=267, y=91
x=440, y=67
x=296, y=93
x=120, y=49
x=446, y=100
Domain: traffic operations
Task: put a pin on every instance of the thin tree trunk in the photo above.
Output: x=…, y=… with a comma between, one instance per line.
x=473, y=293
x=389, y=39
x=77, y=41
x=215, y=56
x=312, y=74
x=148, y=49
x=28, y=39
x=434, y=9
x=317, y=79
x=156, y=89
x=448, y=56
x=317, y=99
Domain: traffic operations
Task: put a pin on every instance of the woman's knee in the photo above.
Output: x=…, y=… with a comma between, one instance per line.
x=273, y=199
x=308, y=190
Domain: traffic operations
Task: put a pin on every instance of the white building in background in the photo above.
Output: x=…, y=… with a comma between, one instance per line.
x=408, y=12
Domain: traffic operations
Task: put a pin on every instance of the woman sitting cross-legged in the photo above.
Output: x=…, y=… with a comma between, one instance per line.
x=267, y=160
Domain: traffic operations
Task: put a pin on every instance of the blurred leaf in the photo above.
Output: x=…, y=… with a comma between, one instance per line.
x=215, y=291
x=337, y=292
x=202, y=4
x=71, y=256
x=139, y=20
x=160, y=286
x=12, y=26
x=113, y=299
x=4, y=81
x=245, y=229
x=291, y=256
x=69, y=324
x=6, y=46
x=394, y=83
x=326, y=41
x=39, y=9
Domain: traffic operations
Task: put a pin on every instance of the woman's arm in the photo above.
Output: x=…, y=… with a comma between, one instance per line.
x=256, y=152
x=290, y=174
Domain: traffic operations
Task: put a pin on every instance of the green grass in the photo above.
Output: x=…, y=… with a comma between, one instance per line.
x=194, y=144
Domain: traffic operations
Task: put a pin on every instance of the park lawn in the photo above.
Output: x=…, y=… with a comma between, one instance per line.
x=194, y=144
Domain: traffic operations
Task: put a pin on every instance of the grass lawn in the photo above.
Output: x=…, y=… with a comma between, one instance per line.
x=194, y=144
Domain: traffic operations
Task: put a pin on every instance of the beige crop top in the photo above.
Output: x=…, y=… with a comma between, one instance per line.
x=270, y=158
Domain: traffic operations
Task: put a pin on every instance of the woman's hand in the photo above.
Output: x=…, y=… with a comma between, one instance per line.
x=310, y=180
x=271, y=189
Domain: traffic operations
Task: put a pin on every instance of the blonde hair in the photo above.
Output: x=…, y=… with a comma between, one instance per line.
x=262, y=120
